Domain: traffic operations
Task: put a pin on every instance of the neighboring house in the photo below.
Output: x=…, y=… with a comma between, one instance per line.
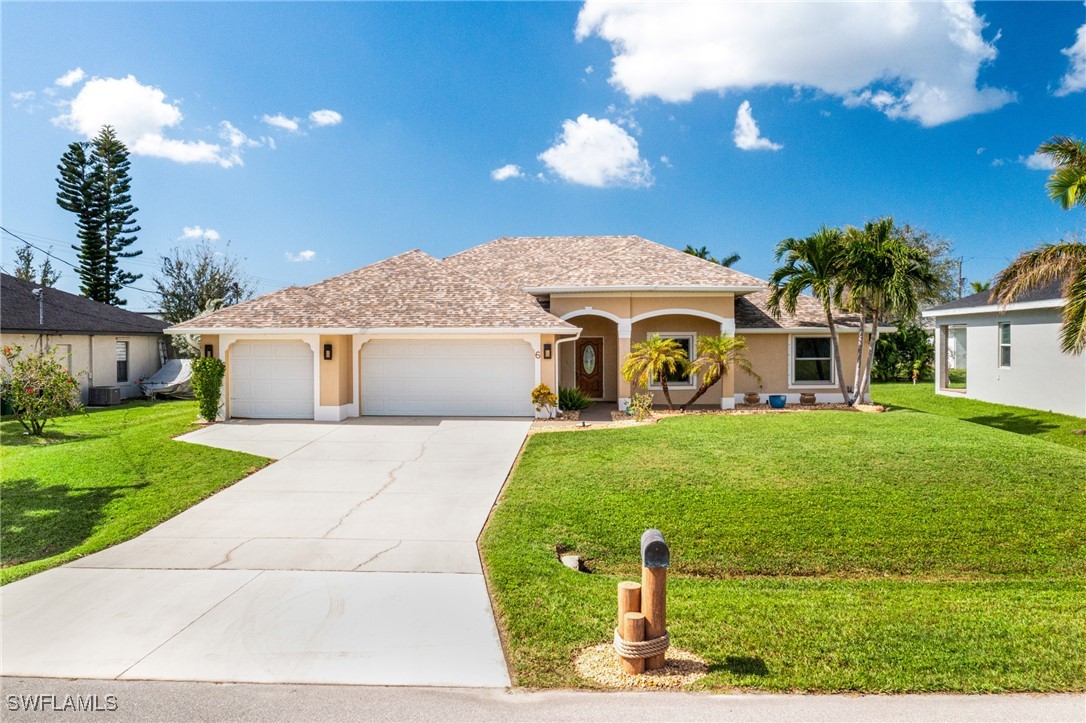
x=106, y=345
x=1010, y=355
x=473, y=334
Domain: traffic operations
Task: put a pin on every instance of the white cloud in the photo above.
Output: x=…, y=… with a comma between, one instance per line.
x=140, y=114
x=18, y=98
x=325, y=117
x=70, y=78
x=1074, y=80
x=281, y=121
x=981, y=150
x=666, y=161
x=198, y=232
x=997, y=162
x=596, y=152
x=1037, y=162
x=509, y=170
x=307, y=255
x=588, y=70
x=746, y=134
x=914, y=60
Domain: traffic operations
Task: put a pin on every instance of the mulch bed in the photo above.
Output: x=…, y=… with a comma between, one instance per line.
x=601, y=665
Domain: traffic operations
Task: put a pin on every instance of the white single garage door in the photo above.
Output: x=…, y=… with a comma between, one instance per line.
x=271, y=380
x=448, y=378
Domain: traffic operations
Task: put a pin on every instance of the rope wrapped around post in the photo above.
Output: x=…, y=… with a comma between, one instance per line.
x=641, y=650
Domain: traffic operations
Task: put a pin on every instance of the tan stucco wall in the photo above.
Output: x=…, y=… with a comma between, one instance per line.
x=546, y=366
x=627, y=306
x=594, y=326
x=769, y=355
x=213, y=340
x=678, y=324
x=143, y=357
x=335, y=374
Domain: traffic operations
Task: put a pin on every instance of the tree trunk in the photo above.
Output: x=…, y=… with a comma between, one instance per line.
x=667, y=394
x=859, y=360
x=870, y=354
x=835, y=343
x=705, y=386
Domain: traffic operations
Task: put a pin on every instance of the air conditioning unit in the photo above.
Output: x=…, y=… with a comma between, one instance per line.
x=104, y=396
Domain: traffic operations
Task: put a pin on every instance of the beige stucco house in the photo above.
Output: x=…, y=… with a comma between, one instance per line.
x=102, y=345
x=473, y=334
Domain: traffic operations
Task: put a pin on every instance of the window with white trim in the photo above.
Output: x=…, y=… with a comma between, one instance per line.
x=1004, y=344
x=679, y=378
x=122, y=361
x=812, y=361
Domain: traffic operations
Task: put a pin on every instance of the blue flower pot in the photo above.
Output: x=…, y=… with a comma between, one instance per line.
x=777, y=401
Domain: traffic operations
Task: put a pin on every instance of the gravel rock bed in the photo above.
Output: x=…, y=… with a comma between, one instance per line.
x=601, y=665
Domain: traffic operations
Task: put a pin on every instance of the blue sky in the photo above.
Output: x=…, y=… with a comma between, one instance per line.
x=728, y=126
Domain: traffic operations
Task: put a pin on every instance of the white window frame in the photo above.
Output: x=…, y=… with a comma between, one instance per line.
x=792, y=383
x=692, y=380
x=1000, y=345
x=127, y=360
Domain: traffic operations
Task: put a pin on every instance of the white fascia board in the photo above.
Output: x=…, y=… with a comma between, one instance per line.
x=603, y=289
x=815, y=330
x=399, y=331
x=272, y=331
x=996, y=309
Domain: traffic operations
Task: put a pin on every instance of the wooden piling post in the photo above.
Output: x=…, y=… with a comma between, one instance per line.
x=633, y=631
x=629, y=602
x=655, y=558
x=654, y=609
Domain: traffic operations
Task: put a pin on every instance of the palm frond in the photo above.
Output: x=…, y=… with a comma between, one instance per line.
x=1038, y=267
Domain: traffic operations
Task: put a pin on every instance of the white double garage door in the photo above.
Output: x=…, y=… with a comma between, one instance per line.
x=470, y=378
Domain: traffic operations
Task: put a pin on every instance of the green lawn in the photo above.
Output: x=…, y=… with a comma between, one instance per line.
x=1058, y=428
x=99, y=478
x=897, y=552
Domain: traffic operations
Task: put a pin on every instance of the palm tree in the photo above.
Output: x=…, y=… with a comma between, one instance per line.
x=702, y=253
x=883, y=276
x=716, y=355
x=979, y=286
x=813, y=263
x=1047, y=263
x=1067, y=185
x=654, y=358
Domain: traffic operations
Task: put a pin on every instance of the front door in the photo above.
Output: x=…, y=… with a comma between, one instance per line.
x=590, y=366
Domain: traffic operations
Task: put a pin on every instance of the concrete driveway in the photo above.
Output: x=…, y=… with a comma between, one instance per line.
x=351, y=560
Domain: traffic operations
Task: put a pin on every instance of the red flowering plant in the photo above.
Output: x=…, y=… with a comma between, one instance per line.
x=37, y=387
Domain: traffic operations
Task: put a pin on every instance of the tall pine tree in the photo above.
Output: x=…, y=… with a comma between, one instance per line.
x=94, y=184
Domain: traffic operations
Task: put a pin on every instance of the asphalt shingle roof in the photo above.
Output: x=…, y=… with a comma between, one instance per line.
x=752, y=312
x=66, y=313
x=1049, y=292
x=412, y=290
x=527, y=262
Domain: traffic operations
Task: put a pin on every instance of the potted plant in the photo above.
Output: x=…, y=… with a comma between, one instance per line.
x=807, y=398
x=777, y=401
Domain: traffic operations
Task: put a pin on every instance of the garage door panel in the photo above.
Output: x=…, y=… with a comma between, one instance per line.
x=448, y=378
x=271, y=380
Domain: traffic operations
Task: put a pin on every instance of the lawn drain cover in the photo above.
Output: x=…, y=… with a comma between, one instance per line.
x=601, y=665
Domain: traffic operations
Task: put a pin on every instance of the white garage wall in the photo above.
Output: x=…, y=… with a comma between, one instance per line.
x=1040, y=376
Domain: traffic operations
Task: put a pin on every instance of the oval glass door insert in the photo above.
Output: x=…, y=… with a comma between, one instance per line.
x=588, y=360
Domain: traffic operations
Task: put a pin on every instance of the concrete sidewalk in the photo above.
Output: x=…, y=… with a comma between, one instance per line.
x=150, y=701
x=352, y=560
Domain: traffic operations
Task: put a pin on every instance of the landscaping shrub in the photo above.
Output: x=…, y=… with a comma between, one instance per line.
x=544, y=398
x=572, y=399
x=37, y=388
x=640, y=406
x=207, y=376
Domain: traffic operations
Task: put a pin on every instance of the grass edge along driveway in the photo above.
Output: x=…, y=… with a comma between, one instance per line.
x=102, y=477
x=832, y=551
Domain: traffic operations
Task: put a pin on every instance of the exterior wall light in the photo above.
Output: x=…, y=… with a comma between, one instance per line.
x=328, y=352
x=546, y=351
x=209, y=350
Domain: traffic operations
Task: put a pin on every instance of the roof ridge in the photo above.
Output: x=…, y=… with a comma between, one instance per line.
x=369, y=265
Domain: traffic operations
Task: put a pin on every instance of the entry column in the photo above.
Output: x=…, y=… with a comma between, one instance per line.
x=624, y=329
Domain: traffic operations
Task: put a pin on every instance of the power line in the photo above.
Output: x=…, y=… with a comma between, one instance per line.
x=64, y=261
